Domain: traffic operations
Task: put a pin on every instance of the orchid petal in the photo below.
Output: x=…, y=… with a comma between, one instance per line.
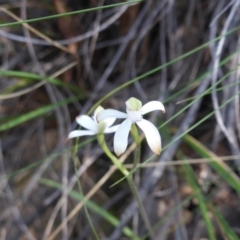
x=133, y=104
x=110, y=113
x=97, y=110
x=79, y=133
x=109, y=122
x=87, y=122
x=152, y=106
x=111, y=129
x=121, y=137
x=152, y=135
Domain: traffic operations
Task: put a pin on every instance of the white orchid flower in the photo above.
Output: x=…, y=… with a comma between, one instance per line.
x=135, y=112
x=93, y=127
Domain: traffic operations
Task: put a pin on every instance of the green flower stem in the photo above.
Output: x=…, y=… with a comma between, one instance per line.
x=84, y=203
x=126, y=173
x=115, y=161
x=75, y=163
x=135, y=134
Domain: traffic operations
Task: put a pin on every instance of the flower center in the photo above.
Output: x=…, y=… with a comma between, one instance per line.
x=134, y=116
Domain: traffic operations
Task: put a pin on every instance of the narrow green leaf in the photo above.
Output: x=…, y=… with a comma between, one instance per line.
x=169, y=215
x=35, y=113
x=218, y=165
x=48, y=158
x=93, y=206
x=70, y=13
x=202, y=205
x=226, y=230
x=157, y=69
x=32, y=76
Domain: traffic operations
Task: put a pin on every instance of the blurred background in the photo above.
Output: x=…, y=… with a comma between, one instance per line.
x=59, y=58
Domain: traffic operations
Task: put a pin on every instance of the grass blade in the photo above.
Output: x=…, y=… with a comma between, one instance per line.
x=226, y=230
x=69, y=13
x=32, y=76
x=202, y=205
x=218, y=165
x=94, y=207
x=35, y=113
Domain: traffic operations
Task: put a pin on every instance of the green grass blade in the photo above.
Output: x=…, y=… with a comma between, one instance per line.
x=35, y=113
x=183, y=134
x=48, y=158
x=169, y=214
x=157, y=69
x=226, y=230
x=218, y=165
x=32, y=76
x=70, y=13
x=93, y=206
x=89, y=219
x=208, y=91
x=202, y=205
x=200, y=78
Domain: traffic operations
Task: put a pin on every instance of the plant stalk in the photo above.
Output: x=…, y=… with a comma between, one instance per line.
x=135, y=134
x=126, y=173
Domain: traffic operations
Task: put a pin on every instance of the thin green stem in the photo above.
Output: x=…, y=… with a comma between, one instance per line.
x=75, y=163
x=140, y=205
x=84, y=205
x=125, y=172
x=115, y=161
x=153, y=71
x=135, y=134
x=68, y=13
